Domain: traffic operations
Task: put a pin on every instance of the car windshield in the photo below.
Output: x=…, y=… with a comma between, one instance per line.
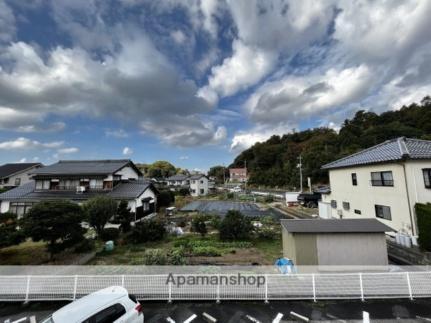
x=48, y=319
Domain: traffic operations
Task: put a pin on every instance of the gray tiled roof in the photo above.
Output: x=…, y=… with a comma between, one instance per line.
x=82, y=167
x=10, y=169
x=196, y=176
x=391, y=150
x=178, y=177
x=335, y=226
x=125, y=190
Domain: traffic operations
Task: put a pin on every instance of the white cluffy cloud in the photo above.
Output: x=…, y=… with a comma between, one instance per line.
x=116, y=133
x=127, y=151
x=23, y=143
x=70, y=150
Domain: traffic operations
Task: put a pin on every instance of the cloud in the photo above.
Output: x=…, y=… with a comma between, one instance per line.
x=70, y=150
x=23, y=143
x=184, y=157
x=127, y=151
x=178, y=36
x=116, y=133
x=7, y=22
x=296, y=98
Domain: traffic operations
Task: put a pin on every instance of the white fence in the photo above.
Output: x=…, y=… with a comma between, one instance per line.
x=315, y=287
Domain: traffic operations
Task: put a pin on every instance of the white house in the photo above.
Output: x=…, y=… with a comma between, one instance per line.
x=199, y=185
x=383, y=182
x=79, y=180
x=12, y=175
x=178, y=180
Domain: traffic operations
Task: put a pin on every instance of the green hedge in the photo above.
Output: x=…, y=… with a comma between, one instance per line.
x=423, y=215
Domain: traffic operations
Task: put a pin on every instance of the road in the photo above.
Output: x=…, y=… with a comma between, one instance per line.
x=237, y=312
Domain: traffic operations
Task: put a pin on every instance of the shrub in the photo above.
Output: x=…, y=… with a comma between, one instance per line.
x=235, y=226
x=110, y=234
x=269, y=198
x=183, y=192
x=198, y=225
x=215, y=222
x=266, y=233
x=423, y=214
x=165, y=198
x=99, y=210
x=9, y=233
x=85, y=245
x=124, y=216
x=151, y=230
x=154, y=257
x=176, y=257
x=56, y=222
x=230, y=196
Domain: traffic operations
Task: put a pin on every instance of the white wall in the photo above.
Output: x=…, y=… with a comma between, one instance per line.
x=25, y=178
x=364, y=196
x=4, y=206
x=127, y=172
x=196, y=185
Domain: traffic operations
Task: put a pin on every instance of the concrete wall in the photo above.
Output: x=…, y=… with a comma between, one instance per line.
x=364, y=196
x=352, y=249
x=127, y=172
x=196, y=185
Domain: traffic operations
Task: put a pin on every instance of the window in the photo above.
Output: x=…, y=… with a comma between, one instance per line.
x=108, y=315
x=202, y=182
x=346, y=206
x=382, y=179
x=6, y=180
x=202, y=191
x=17, y=181
x=427, y=177
x=146, y=206
x=334, y=204
x=354, y=179
x=20, y=208
x=383, y=212
x=358, y=212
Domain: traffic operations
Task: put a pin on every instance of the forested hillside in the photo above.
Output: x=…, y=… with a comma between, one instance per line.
x=274, y=162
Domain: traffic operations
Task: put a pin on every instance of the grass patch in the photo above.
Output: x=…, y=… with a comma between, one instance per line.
x=271, y=249
x=26, y=253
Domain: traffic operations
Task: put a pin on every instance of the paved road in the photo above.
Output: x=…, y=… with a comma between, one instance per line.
x=236, y=312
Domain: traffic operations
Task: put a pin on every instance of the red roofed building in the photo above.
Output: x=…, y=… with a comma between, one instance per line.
x=238, y=175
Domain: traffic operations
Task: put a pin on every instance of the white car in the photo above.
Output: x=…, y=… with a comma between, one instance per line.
x=110, y=305
x=236, y=189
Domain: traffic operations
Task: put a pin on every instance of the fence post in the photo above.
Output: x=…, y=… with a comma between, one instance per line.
x=266, y=288
x=409, y=285
x=362, y=287
x=27, y=290
x=218, y=289
x=75, y=286
x=170, y=293
x=122, y=280
x=314, y=288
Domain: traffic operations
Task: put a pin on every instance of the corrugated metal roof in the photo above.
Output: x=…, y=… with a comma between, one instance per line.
x=10, y=169
x=388, y=151
x=335, y=226
x=82, y=167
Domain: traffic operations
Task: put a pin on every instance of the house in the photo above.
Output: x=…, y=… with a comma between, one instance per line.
x=12, y=175
x=79, y=180
x=335, y=242
x=238, y=175
x=178, y=180
x=199, y=185
x=383, y=182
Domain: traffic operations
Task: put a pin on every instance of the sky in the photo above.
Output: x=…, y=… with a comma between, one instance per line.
x=195, y=82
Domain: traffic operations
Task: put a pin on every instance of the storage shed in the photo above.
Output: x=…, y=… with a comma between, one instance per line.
x=335, y=242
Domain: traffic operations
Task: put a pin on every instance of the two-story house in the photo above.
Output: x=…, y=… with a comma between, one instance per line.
x=13, y=175
x=79, y=180
x=178, y=180
x=199, y=185
x=238, y=175
x=383, y=182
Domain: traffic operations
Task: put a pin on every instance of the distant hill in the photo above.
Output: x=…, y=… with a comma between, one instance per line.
x=273, y=162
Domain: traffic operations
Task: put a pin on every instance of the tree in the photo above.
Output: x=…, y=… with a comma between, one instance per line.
x=165, y=198
x=124, y=216
x=148, y=230
x=57, y=222
x=198, y=225
x=98, y=211
x=220, y=173
x=235, y=226
x=161, y=169
x=9, y=233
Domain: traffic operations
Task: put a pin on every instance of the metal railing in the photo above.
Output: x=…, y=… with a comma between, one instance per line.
x=315, y=287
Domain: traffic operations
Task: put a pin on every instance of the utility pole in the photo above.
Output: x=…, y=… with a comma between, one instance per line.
x=300, y=171
x=245, y=183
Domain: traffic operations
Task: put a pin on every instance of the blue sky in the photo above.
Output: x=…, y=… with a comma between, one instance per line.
x=197, y=81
